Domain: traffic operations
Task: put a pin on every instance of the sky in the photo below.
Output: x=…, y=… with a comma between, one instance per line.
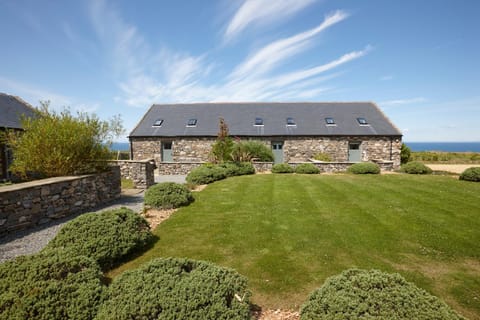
x=419, y=61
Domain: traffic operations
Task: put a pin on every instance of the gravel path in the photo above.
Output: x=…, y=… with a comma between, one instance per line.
x=35, y=239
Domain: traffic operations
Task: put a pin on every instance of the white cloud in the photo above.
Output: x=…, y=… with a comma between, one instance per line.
x=386, y=78
x=262, y=11
x=34, y=95
x=402, y=101
x=146, y=75
x=272, y=54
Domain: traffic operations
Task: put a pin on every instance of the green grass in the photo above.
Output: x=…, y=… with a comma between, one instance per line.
x=446, y=157
x=127, y=184
x=288, y=233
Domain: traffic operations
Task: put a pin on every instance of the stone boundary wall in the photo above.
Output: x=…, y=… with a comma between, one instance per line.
x=333, y=167
x=28, y=204
x=262, y=166
x=172, y=168
x=141, y=172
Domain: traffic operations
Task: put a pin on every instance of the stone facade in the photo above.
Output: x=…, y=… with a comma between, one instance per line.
x=33, y=203
x=295, y=149
x=335, y=167
x=141, y=172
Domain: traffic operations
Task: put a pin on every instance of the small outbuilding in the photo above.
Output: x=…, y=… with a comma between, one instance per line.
x=12, y=109
x=296, y=131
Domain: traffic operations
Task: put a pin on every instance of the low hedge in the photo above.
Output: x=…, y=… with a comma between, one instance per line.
x=471, y=174
x=415, y=167
x=237, y=168
x=51, y=285
x=168, y=195
x=106, y=237
x=364, y=168
x=282, y=168
x=177, y=289
x=206, y=174
x=306, y=168
x=372, y=294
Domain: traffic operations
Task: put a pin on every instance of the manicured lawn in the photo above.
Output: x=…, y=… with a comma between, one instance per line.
x=287, y=233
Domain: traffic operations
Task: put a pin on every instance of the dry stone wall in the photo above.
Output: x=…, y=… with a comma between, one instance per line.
x=25, y=205
x=140, y=172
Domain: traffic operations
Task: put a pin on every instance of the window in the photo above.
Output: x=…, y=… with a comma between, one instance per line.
x=192, y=123
x=158, y=123
x=291, y=122
x=362, y=121
x=330, y=121
x=258, y=121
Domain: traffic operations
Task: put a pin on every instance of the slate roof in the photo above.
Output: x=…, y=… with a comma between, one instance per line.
x=309, y=118
x=11, y=109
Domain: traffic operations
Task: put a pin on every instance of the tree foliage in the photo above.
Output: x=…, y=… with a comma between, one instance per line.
x=223, y=146
x=405, y=154
x=60, y=143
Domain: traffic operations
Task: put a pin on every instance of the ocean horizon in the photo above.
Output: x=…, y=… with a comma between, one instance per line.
x=414, y=146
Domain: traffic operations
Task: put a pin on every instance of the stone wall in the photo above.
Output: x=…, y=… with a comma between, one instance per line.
x=25, y=205
x=177, y=167
x=141, y=172
x=334, y=167
x=262, y=166
x=296, y=149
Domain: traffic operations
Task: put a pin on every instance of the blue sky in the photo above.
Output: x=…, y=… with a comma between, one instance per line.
x=418, y=60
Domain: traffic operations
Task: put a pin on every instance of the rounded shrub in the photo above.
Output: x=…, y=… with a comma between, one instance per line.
x=106, y=237
x=415, y=167
x=177, y=289
x=282, y=168
x=364, y=168
x=237, y=168
x=471, y=174
x=372, y=294
x=168, y=195
x=206, y=174
x=307, y=168
x=51, y=285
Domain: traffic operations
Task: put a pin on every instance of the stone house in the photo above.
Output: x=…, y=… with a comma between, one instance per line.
x=11, y=111
x=296, y=132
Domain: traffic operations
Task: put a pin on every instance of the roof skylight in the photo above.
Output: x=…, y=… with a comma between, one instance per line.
x=259, y=121
x=330, y=121
x=291, y=122
x=192, y=122
x=158, y=123
x=362, y=121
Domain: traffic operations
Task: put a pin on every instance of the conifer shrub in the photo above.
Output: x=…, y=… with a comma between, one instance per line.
x=471, y=174
x=415, y=167
x=282, y=168
x=307, y=168
x=50, y=286
x=106, y=237
x=364, y=168
x=372, y=294
x=177, y=289
x=168, y=195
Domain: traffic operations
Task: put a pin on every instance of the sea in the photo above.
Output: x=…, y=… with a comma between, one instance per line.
x=414, y=146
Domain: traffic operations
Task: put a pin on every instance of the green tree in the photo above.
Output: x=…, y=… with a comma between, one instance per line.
x=405, y=154
x=59, y=143
x=223, y=146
